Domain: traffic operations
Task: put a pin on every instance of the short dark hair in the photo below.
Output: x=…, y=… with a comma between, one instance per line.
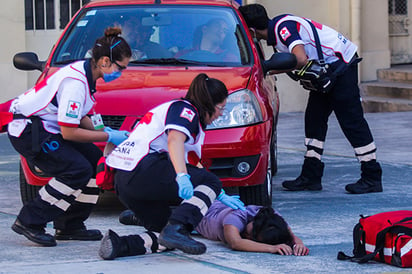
x=255, y=16
x=270, y=228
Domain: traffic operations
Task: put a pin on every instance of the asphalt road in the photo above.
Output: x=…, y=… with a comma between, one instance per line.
x=323, y=220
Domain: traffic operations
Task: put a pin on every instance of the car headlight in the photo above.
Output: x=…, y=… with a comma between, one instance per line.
x=241, y=109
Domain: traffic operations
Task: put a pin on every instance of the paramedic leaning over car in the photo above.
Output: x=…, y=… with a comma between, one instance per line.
x=52, y=131
x=288, y=33
x=155, y=166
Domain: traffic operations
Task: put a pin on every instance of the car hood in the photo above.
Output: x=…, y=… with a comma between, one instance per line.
x=140, y=89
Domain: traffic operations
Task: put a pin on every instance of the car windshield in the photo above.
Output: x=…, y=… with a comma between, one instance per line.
x=161, y=35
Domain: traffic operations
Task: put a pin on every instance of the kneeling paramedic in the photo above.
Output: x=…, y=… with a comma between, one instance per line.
x=156, y=167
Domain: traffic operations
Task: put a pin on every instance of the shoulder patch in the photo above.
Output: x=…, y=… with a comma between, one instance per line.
x=188, y=114
x=284, y=33
x=73, y=109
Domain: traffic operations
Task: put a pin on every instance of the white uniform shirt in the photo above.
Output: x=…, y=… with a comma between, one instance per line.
x=73, y=97
x=287, y=31
x=150, y=135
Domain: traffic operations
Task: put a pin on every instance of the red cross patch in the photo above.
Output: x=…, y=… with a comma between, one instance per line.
x=284, y=33
x=73, y=109
x=188, y=114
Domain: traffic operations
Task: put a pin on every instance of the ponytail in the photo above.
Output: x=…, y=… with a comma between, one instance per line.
x=205, y=93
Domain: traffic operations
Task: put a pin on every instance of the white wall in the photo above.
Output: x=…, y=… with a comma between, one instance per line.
x=13, y=81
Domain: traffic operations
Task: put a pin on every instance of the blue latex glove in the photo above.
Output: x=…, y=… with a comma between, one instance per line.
x=231, y=201
x=185, y=186
x=116, y=136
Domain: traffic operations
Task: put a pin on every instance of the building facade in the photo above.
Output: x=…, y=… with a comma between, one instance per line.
x=380, y=28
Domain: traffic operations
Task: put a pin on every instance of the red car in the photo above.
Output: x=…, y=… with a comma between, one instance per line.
x=168, y=41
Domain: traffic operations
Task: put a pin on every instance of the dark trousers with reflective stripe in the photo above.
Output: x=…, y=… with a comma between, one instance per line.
x=344, y=100
x=151, y=189
x=71, y=164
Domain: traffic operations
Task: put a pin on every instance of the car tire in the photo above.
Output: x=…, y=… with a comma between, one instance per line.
x=259, y=194
x=27, y=192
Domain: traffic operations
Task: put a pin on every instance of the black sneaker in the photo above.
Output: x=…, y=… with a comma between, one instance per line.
x=302, y=183
x=176, y=236
x=363, y=186
x=38, y=236
x=82, y=234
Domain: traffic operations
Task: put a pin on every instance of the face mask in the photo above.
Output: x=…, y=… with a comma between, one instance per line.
x=112, y=76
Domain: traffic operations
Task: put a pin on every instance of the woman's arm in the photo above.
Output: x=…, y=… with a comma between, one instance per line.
x=236, y=242
x=86, y=123
x=175, y=144
x=78, y=134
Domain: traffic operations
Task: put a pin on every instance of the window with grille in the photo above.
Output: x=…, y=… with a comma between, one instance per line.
x=398, y=17
x=42, y=14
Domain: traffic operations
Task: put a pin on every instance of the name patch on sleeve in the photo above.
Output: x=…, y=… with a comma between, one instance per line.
x=284, y=32
x=188, y=114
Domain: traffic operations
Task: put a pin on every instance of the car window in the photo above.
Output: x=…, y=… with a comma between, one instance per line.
x=161, y=35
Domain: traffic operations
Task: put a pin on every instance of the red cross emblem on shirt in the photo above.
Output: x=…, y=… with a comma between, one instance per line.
x=284, y=33
x=187, y=114
x=73, y=106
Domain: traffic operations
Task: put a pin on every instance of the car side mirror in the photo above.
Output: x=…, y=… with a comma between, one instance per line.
x=280, y=61
x=28, y=61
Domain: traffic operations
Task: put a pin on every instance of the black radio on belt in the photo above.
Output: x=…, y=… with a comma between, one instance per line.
x=314, y=76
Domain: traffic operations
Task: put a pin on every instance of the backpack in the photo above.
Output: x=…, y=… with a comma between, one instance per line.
x=385, y=237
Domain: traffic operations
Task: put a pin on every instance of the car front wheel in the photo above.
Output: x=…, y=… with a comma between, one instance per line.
x=259, y=194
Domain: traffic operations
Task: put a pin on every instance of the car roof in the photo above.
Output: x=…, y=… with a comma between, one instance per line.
x=170, y=2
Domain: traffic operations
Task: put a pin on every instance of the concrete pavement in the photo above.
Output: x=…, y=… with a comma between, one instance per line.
x=324, y=220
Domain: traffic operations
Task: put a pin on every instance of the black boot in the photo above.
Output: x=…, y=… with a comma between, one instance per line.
x=37, y=235
x=81, y=234
x=112, y=246
x=127, y=217
x=370, y=181
x=177, y=236
x=309, y=178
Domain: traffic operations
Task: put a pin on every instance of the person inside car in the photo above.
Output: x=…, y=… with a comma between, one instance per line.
x=209, y=42
x=156, y=166
x=51, y=129
x=256, y=229
x=138, y=37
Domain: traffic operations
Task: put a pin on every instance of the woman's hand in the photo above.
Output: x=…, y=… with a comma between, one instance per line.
x=299, y=249
x=281, y=249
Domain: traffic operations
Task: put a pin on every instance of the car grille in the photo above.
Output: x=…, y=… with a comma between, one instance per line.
x=113, y=121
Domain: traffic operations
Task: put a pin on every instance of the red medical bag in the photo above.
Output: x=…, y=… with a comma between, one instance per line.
x=384, y=237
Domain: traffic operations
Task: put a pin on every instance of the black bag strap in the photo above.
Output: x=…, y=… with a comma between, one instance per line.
x=318, y=45
x=358, y=244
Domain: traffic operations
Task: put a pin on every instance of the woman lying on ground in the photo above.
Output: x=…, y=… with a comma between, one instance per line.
x=256, y=229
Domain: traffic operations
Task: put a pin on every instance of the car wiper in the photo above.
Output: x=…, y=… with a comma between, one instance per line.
x=171, y=61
